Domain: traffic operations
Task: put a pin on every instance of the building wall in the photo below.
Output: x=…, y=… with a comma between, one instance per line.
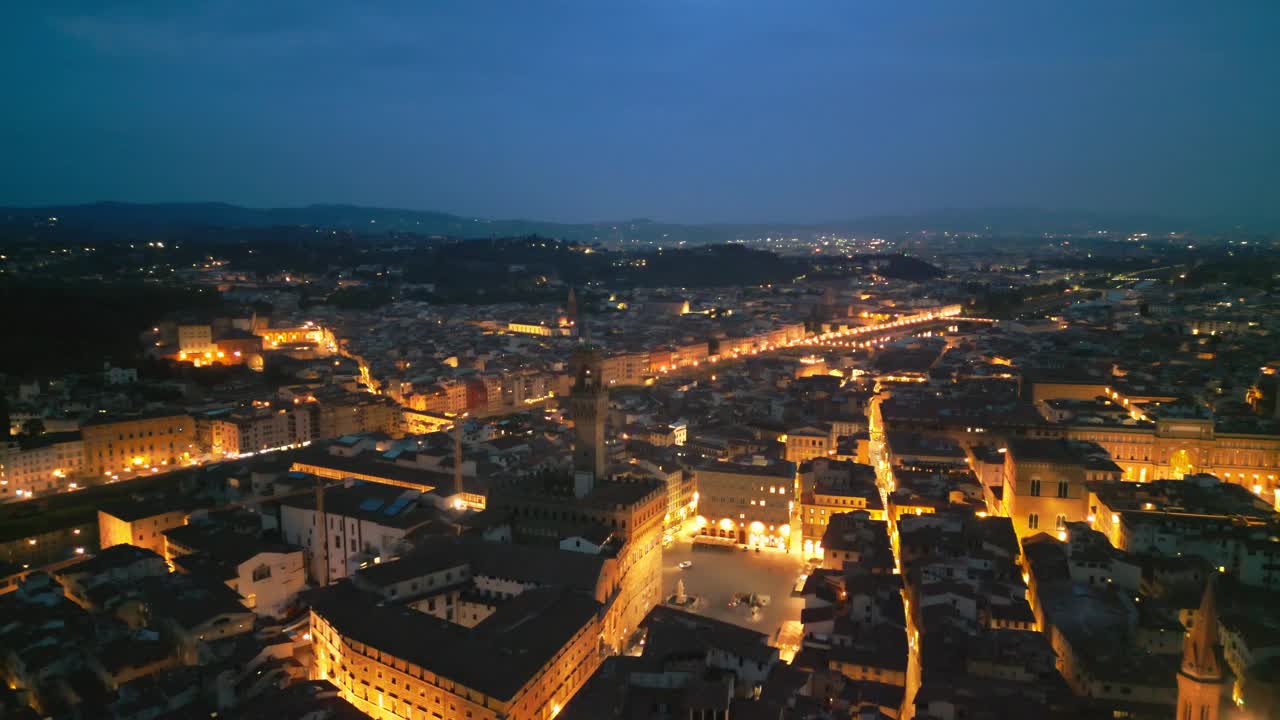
x=802, y=448
x=295, y=335
x=625, y=368
x=816, y=510
x=530, y=328
x=679, y=494
x=239, y=350
x=195, y=339
x=1155, y=453
x=455, y=397
x=472, y=612
x=147, y=532
x=350, y=541
x=1034, y=498
x=41, y=470
x=740, y=504
x=389, y=688
x=639, y=571
x=278, y=429
x=421, y=422
x=272, y=594
x=135, y=444
x=872, y=673
x=335, y=419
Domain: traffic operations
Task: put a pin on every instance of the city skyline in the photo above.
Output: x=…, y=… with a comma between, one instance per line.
x=675, y=359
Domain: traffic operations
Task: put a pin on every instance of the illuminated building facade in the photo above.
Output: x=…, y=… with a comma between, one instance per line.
x=539, y=328
x=353, y=527
x=828, y=488
x=195, y=339
x=259, y=429
x=807, y=443
x=354, y=413
x=463, y=628
x=747, y=503
x=141, y=523
x=303, y=334
x=48, y=463
x=1164, y=440
x=138, y=443
x=1046, y=483
x=523, y=662
x=1172, y=447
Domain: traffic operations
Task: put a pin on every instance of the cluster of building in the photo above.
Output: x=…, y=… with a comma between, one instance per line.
x=423, y=511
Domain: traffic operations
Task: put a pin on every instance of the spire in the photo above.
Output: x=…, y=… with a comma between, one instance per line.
x=1199, y=648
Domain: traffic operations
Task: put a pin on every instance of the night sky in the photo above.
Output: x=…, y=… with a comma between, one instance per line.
x=685, y=110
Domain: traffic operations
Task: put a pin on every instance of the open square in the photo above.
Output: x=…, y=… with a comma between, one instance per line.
x=717, y=575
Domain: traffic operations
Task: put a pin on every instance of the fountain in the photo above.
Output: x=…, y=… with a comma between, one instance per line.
x=681, y=599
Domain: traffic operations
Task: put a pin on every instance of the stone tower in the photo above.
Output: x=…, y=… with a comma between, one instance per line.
x=589, y=401
x=1200, y=682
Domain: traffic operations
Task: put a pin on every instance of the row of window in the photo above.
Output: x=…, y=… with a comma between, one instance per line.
x=1063, y=488
x=149, y=433
x=1033, y=521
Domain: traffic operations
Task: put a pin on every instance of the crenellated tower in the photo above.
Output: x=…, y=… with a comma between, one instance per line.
x=589, y=402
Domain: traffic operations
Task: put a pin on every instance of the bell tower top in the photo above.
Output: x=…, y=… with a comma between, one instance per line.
x=1199, y=648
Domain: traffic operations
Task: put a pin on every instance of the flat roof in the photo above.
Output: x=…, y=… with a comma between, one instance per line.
x=497, y=657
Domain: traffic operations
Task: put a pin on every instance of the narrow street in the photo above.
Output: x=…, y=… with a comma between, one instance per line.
x=884, y=481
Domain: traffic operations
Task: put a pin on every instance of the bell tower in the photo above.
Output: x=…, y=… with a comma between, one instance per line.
x=1200, y=681
x=589, y=401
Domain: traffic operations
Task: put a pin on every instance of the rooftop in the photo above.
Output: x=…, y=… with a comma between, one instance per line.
x=1063, y=452
x=497, y=657
x=386, y=505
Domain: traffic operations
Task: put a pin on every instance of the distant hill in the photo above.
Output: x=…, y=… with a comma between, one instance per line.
x=126, y=217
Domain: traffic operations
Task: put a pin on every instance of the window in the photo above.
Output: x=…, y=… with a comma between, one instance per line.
x=1033, y=521
x=1061, y=522
x=1035, y=487
x=262, y=572
x=1062, y=488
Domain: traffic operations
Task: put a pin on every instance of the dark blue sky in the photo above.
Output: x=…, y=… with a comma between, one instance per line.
x=684, y=110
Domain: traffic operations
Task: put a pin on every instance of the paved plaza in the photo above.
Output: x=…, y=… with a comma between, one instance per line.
x=717, y=574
